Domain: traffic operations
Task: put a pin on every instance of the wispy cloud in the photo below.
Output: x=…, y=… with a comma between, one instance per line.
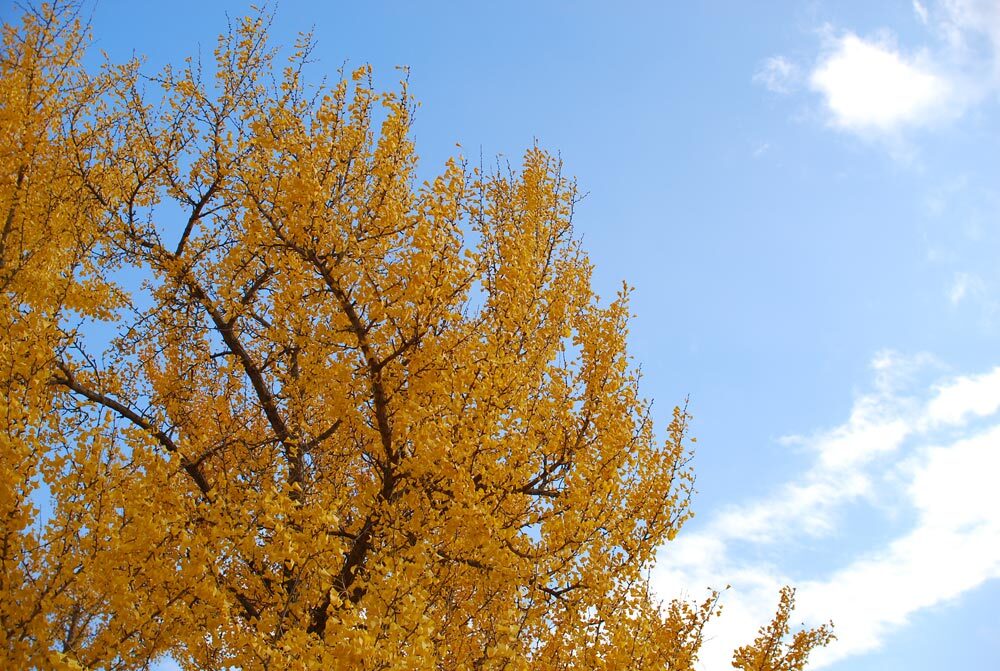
x=777, y=74
x=972, y=31
x=760, y=149
x=963, y=286
x=932, y=450
x=969, y=291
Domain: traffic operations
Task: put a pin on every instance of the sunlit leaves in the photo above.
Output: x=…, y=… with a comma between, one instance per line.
x=347, y=420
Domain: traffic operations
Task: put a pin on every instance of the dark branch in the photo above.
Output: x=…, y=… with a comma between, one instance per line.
x=68, y=380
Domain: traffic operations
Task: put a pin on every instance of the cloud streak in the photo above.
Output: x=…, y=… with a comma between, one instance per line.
x=930, y=452
x=777, y=74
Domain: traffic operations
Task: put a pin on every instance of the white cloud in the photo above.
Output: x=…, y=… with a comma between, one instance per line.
x=956, y=486
x=970, y=396
x=870, y=86
x=777, y=74
x=874, y=429
x=902, y=437
x=959, y=288
x=877, y=595
x=954, y=547
x=969, y=288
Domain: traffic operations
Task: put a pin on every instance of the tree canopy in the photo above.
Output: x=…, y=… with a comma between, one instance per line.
x=269, y=402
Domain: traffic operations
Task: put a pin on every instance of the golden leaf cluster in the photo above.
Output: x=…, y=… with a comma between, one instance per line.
x=269, y=402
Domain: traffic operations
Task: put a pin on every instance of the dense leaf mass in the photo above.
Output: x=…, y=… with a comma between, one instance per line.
x=271, y=403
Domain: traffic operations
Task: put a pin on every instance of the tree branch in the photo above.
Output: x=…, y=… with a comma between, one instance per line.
x=68, y=380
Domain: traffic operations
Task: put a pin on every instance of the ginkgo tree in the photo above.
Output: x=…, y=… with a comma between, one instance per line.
x=343, y=419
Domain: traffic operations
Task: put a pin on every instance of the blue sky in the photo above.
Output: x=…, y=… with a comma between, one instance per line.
x=806, y=198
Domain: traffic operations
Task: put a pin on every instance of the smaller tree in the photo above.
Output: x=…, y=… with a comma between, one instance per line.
x=772, y=651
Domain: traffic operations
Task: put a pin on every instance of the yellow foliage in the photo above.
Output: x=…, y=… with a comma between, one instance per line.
x=348, y=421
x=771, y=652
